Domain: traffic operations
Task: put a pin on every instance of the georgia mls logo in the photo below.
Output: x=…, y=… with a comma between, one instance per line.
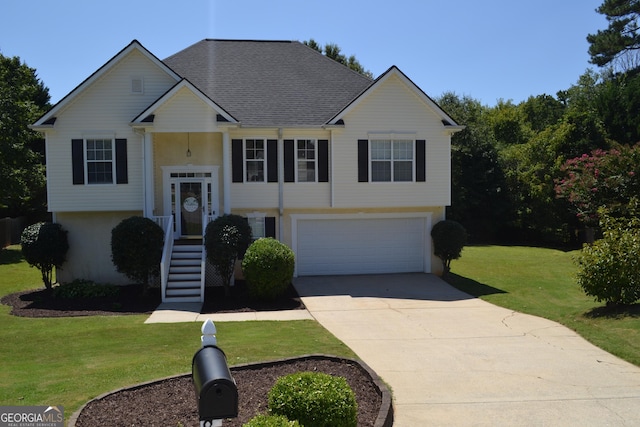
x=31, y=416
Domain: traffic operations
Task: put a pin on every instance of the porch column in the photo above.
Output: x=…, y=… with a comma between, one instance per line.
x=147, y=156
x=226, y=172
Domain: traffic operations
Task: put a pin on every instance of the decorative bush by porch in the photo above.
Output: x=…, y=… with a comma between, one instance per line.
x=268, y=268
x=315, y=399
x=45, y=246
x=136, y=248
x=225, y=239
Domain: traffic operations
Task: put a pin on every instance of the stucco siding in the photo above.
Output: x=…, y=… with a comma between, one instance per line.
x=103, y=109
x=391, y=110
x=89, y=256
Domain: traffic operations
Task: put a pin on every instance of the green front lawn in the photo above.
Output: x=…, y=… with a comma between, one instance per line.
x=541, y=282
x=67, y=361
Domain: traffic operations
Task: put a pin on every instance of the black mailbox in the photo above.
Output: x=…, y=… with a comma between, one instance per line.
x=216, y=389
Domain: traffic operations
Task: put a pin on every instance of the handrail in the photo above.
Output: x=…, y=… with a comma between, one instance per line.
x=166, y=222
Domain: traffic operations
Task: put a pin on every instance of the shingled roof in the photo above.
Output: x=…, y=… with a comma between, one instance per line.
x=269, y=83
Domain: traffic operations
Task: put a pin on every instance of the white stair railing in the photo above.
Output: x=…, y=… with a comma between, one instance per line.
x=166, y=222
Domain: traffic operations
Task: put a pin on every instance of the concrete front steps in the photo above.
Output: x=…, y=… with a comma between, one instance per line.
x=185, y=272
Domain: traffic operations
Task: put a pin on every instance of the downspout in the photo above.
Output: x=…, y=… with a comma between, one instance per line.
x=331, y=163
x=280, y=186
x=226, y=172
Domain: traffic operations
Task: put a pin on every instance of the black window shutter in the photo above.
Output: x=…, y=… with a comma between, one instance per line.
x=237, y=170
x=323, y=160
x=270, y=226
x=77, y=160
x=121, y=162
x=289, y=160
x=272, y=160
x=421, y=175
x=363, y=160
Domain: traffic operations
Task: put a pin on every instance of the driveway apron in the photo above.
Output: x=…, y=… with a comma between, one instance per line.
x=452, y=359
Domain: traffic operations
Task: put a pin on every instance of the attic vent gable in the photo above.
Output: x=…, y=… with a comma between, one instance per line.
x=137, y=85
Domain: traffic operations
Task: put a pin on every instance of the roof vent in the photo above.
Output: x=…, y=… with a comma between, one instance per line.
x=137, y=85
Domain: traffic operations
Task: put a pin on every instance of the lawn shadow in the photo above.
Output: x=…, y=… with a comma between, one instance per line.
x=471, y=286
x=614, y=311
x=10, y=256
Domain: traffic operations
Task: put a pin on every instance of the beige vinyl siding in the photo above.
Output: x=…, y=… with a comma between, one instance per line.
x=103, y=109
x=390, y=108
x=185, y=112
x=89, y=235
x=302, y=195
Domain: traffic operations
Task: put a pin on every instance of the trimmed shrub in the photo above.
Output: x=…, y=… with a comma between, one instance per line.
x=136, y=248
x=45, y=246
x=225, y=239
x=271, y=421
x=315, y=399
x=84, y=289
x=449, y=237
x=268, y=268
x=609, y=269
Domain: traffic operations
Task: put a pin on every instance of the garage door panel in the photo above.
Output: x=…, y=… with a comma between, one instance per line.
x=360, y=246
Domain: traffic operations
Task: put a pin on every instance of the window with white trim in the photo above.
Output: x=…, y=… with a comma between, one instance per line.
x=100, y=165
x=306, y=160
x=392, y=160
x=254, y=156
x=258, y=225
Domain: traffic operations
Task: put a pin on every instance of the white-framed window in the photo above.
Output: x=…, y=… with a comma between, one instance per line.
x=307, y=160
x=392, y=160
x=255, y=160
x=257, y=223
x=100, y=167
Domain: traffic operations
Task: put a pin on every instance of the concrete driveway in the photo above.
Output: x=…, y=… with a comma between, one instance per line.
x=452, y=359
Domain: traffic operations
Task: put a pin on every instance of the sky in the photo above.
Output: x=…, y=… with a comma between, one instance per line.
x=489, y=50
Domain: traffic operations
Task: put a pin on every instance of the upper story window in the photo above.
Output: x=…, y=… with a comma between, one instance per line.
x=100, y=165
x=392, y=160
x=254, y=154
x=99, y=160
x=306, y=160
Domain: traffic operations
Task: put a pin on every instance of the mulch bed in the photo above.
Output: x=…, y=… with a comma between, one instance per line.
x=172, y=402
x=37, y=303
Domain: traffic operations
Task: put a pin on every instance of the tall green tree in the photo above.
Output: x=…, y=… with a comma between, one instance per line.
x=619, y=43
x=333, y=51
x=479, y=192
x=23, y=98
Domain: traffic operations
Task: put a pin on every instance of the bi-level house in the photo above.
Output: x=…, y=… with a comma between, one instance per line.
x=349, y=172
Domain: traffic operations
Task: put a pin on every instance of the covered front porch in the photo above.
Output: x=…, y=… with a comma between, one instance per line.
x=184, y=188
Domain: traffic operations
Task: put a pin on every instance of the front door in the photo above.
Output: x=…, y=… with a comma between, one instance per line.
x=190, y=195
x=189, y=214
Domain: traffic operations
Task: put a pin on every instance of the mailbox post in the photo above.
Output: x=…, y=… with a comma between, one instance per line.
x=216, y=390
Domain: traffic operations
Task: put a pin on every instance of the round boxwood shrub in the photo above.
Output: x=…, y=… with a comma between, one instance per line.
x=136, y=248
x=264, y=420
x=45, y=246
x=268, y=268
x=315, y=399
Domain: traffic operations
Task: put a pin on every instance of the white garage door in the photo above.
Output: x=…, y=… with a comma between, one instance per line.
x=361, y=246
